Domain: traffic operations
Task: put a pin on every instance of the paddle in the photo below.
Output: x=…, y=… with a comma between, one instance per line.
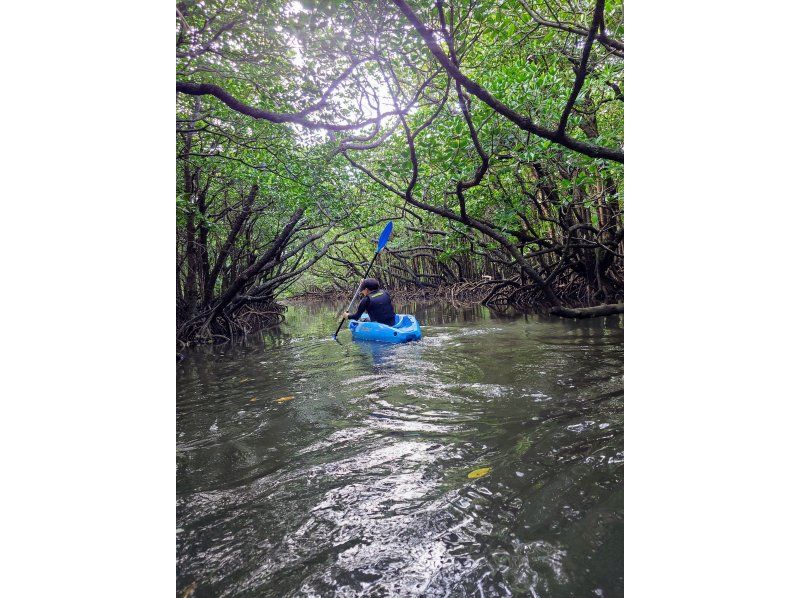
x=384, y=238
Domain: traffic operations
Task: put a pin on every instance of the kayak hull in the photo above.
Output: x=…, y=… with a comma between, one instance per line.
x=405, y=329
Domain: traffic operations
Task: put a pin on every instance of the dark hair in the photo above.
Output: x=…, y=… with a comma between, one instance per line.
x=370, y=283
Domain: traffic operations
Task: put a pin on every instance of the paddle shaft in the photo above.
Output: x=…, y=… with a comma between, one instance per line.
x=358, y=288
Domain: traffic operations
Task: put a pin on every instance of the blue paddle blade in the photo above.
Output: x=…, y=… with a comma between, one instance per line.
x=384, y=237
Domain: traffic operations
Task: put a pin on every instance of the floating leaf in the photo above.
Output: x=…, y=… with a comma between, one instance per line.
x=479, y=473
x=189, y=590
x=523, y=444
x=284, y=399
x=254, y=399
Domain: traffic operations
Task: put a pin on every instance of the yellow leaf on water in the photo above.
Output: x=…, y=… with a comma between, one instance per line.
x=479, y=473
x=254, y=399
x=188, y=592
x=284, y=399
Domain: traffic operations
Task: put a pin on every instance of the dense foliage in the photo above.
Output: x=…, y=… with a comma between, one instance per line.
x=491, y=132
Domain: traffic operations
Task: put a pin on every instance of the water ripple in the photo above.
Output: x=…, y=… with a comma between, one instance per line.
x=357, y=484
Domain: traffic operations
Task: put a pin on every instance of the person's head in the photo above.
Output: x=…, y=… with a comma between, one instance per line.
x=368, y=285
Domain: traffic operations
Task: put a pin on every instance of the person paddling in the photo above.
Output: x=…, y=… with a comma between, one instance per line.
x=376, y=302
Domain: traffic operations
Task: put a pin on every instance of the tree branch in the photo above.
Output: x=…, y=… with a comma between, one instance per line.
x=523, y=122
x=201, y=89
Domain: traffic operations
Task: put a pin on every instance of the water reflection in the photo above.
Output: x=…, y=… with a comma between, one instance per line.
x=380, y=353
x=358, y=484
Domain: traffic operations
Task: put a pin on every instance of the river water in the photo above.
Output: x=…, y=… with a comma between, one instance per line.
x=310, y=467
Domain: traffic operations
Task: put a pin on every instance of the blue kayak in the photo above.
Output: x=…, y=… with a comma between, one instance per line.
x=406, y=328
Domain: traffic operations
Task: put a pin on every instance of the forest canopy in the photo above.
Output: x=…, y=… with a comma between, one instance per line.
x=491, y=133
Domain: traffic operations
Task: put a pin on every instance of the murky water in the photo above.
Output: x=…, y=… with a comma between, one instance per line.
x=357, y=485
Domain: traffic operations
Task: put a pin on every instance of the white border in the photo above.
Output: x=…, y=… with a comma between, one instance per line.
x=88, y=419
x=711, y=263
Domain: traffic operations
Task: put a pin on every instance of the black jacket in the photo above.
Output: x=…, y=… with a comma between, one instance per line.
x=378, y=306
